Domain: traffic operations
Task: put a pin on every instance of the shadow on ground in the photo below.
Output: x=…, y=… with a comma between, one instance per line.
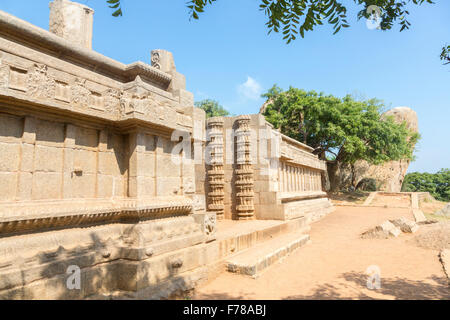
x=219, y=296
x=391, y=288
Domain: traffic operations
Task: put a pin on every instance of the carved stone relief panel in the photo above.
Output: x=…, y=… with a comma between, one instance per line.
x=40, y=85
x=79, y=94
x=133, y=102
x=112, y=100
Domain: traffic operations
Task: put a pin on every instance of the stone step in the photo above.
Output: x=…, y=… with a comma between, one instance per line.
x=236, y=236
x=418, y=215
x=254, y=260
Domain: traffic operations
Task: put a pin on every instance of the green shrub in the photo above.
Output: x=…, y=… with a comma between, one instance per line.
x=437, y=184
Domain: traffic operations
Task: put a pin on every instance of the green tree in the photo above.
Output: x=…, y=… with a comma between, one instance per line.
x=445, y=54
x=212, y=108
x=341, y=131
x=116, y=6
x=437, y=184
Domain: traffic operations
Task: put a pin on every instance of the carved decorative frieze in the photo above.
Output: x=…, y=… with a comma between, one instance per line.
x=216, y=173
x=42, y=82
x=40, y=85
x=139, y=103
x=80, y=95
x=112, y=101
x=244, y=171
x=129, y=211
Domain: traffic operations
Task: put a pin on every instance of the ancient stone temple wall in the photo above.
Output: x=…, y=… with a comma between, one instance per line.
x=295, y=178
x=300, y=189
x=45, y=159
x=92, y=175
x=268, y=175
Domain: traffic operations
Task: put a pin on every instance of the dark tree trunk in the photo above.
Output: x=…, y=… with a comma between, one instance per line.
x=352, y=167
x=333, y=175
x=301, y=127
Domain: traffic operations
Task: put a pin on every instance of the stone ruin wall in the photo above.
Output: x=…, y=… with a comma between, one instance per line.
x=263, y=174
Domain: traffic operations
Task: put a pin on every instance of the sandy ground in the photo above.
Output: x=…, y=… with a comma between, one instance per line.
x=334, y=265
x=393, y=200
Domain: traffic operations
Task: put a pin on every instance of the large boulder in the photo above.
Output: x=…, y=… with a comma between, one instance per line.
x=388, y=177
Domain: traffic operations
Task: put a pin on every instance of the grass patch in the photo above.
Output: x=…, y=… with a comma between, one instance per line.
x=434, y=217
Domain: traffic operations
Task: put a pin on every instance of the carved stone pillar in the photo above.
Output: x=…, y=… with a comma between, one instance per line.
x=216, y=173
x=244, y=171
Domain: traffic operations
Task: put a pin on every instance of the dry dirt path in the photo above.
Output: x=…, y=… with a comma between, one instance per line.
x=334, y=265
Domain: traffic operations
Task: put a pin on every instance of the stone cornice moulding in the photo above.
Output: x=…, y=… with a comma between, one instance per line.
x=286, y=197
x=297, y=143
x=22, y=217
x=20, y=103
x=24, y=32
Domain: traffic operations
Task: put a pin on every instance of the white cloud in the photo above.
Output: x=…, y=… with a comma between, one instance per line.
x=250, y=89
x=200, y=95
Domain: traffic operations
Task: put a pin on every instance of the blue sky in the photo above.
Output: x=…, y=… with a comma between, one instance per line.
x=228, y=56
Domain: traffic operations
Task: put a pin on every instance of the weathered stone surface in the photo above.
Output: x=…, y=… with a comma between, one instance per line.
x=405, y=225
x=208, y=223
x=384, y=230
x=390, y=228
x=72, y=21
x=252, y=261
